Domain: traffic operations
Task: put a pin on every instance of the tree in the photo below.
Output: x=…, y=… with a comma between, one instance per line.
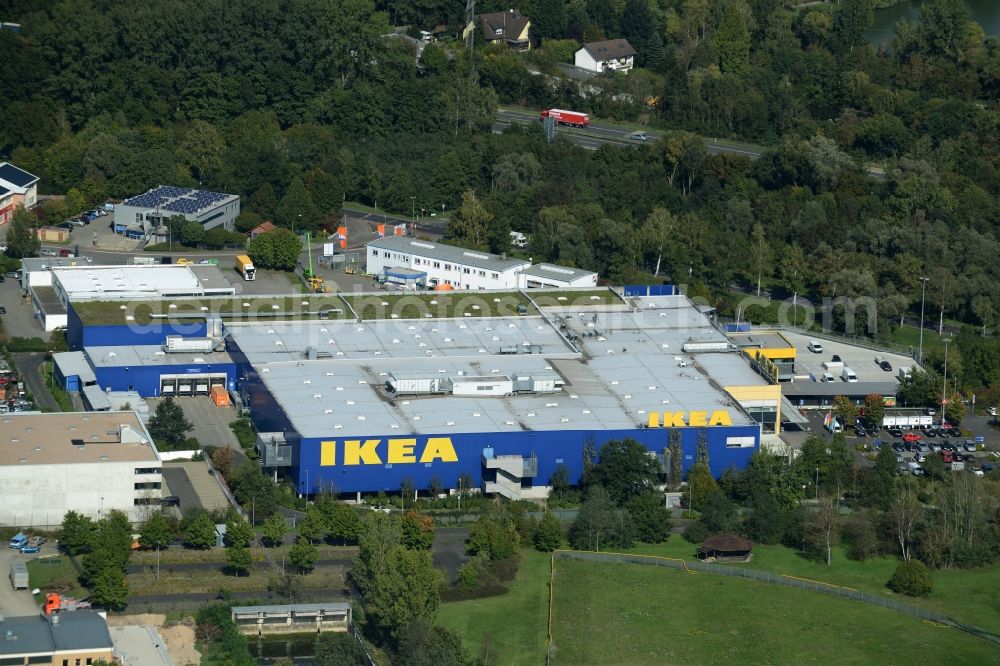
x=599, y=523
x=874, y=409
x=879, y=489
x=823, y=529
x=155, y=533
x=168, y=425
x=764, y=523
x=675, y=473
x=303, y=555
x=549, y=19
x=192, y=233
x=312, y=527
x=110, y=589
x=224, y=461
x=548, y=536
x=559, y=481
x=77, y=534
x=657, y=230
x=22, y=241
x=342, y=521
x=274, y=529
x=493, y=536
x=845, y=410
x=427, y=645
x=732, y=42
x=339, y=648
x=912, y=579
x=418, y=531
x=760, y=254
x=404, y=590
x=297, y=210
x=650, y=517
x=239, y=532
x=238, y=559
x=701, y=484
x=853, y=19
x=200, y=534
x=278, y=250
x=903, y=515
x=625, y=469
x=470, y=224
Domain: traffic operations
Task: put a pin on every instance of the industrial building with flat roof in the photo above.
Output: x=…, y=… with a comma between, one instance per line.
x=147, y=212
x=365, y=406
x=88, y=462
x=505, y=387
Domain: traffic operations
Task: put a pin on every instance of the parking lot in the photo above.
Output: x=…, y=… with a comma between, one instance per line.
x=860, y=360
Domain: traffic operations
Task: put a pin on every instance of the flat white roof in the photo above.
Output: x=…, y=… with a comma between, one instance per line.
x=556, y=272
x=108, y=282
x=74, y=363
x=616, y=366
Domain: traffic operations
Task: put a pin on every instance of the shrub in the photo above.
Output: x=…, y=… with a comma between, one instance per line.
x=697, y=532
x=912, y=579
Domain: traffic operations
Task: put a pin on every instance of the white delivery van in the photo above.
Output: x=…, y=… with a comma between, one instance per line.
x=827, y=377
x=848, y=375
x=815, y=347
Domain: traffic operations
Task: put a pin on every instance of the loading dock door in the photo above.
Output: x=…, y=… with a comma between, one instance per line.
x=184, y=386
x=201, y=386
x=218, y=380
x=168, y=386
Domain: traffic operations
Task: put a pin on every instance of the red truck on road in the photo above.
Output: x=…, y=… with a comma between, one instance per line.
x=567, y=117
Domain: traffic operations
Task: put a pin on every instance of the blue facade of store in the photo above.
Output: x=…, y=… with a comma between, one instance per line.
x=155, y=333
x=146, y=378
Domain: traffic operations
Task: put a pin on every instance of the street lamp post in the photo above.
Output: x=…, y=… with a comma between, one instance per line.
x=413, y=208
x=923, y=294
x=944, y=384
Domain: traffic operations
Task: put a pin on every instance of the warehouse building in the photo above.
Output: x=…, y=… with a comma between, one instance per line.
x=367, y=406
x=146, y=212
x=88, y=462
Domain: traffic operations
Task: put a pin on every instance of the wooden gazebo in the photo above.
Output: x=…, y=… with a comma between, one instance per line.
x=725, y=548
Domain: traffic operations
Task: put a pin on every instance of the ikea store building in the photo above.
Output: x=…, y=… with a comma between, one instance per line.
x=355, y=404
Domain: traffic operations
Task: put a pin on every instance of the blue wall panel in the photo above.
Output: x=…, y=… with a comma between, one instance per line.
x=551, y=449
x=146, y=379
x=155, y=333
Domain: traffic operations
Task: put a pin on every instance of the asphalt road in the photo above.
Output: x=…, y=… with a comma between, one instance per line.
x=29, y=366
x=597, y=135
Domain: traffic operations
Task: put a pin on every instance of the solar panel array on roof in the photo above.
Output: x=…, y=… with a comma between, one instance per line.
x=176, y=199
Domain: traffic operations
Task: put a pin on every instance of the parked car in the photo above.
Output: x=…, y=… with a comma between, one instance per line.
x=931, y=432
x=77, y=222
x=30, y=548
x=969, y=445
x=49, y=252
x=986, y=467
x=992, y=411
x=897, y=447
x=860, y=432
x=885, y=365
x=170, y=500
x=911, y=437
x=947, y=457
x=954, y=432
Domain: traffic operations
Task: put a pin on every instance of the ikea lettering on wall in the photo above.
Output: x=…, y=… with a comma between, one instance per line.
x=682, y=419
x=395, y=451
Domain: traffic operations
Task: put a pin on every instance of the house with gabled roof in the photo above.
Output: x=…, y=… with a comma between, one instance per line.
x=611, y=55
x=509, y=27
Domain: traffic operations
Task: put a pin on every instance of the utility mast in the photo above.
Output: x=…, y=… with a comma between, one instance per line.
x=470, y=27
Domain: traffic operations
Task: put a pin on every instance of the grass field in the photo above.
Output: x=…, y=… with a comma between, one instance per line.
x=55, y=573
x=627, y=614
x=514, y=623
x=968, y=595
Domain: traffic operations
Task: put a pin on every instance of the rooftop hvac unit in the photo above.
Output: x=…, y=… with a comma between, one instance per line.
x=695, y=347
x=179, y=344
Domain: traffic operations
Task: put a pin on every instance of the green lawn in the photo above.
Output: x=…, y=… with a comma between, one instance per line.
x=416, y=305
x=55, y=573
x=627, y=614
x=515, y=622
x=968, y=595
x=910, y=337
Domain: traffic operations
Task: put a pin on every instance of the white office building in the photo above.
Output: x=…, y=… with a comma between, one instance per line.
x=88, y=462
x=412, y=263
x=141, y=215
x=444, y=264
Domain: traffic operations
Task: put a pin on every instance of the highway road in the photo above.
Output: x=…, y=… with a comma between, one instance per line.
x=596, y=135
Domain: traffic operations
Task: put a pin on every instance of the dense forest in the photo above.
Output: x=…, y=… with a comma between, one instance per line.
x=300, y=105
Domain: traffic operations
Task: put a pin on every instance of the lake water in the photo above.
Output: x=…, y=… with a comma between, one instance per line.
x=984, y=12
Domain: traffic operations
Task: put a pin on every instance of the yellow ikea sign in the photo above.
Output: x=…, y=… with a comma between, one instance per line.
x=682, y=419
x=396, y=451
